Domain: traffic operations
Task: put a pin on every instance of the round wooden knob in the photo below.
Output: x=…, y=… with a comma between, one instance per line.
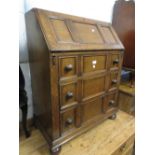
x=68, y=67
x=69, y=121
x=114, y=81
x=69, y=95
x=116, y=61
x=111, y=103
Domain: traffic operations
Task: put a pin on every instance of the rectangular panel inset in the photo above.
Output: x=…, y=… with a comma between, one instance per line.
x=86, y=33
x=67, y=66
x=61, y=30
x=107, y=35
x=92, y=109
x=92, y=87
x=94, y=63
x=68, y=94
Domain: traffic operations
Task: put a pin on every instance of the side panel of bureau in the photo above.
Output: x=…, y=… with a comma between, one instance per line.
x=39, y=70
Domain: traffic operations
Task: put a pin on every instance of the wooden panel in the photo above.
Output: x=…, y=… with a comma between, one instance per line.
x=68, y=120
x=86, y=33
x=61, y=30
x=94, y=63
x=109, y=135
x=93, y=86
x=68, y=94
x=126, y=148
x=91, y=109
x=67, y=66
x=107, y=35
x=123, y=21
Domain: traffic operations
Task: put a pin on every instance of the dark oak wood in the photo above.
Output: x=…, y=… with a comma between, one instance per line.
x=75, y=67
x=123, y=21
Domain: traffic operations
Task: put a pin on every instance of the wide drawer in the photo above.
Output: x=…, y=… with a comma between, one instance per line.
x=92, y=63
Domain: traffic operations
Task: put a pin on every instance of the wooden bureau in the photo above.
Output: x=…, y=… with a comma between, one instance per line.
x=75, y=69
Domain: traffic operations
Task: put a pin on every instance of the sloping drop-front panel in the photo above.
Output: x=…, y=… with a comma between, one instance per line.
x=65, y=32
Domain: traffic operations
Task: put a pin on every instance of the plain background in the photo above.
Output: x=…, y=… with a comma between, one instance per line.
x=145, y=77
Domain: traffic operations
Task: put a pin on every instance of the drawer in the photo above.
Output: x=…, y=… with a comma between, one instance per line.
x=126, y=148
x=91, y=109
x=110, y=102
x=93, y=86
x=115, y=61
x=94, y=63
x=113, y=80
x=67, y=66
x=68, y=94
x=68, y=120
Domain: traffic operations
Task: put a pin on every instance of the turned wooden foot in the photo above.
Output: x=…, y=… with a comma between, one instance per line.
x=113, y=117
x=55, y=151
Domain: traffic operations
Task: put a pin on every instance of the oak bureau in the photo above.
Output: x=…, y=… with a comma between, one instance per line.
x=75, y=68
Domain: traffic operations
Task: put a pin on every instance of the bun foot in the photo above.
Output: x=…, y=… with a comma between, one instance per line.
x=113, y=117
x=55, y=151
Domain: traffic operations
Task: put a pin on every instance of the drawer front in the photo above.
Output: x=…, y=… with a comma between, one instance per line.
x=115, y=61
x=68, y=66
x=126, y=148
x=68, y=94
x=91, y=109
x=113, y=80
x=110, y=102
x=94, y=63
x=93, y=86
x=68, y=120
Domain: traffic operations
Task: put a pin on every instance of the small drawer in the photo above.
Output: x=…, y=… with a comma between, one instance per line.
x=67, y=66
x=113, y=80
x=126, y=148
x=68, y=94
x=115, y=61
x=68, y=120
x=94, y=63
x=110, y=102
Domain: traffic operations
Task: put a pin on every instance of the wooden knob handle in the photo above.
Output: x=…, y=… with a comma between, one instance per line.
x=111, y=103
x=69, y=67
x=69, y=121
x=114, y=81
x=116, y=61
x=69, y=95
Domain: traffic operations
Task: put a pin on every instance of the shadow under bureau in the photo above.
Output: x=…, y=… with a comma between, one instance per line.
x=75, y=68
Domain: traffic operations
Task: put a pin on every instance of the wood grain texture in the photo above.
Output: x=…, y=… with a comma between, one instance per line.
x=124, y=23
x=126, y=99
x=108, y=138
x=74, y=86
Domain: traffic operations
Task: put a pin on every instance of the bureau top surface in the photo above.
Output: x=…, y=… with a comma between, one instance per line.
x=64, y=32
